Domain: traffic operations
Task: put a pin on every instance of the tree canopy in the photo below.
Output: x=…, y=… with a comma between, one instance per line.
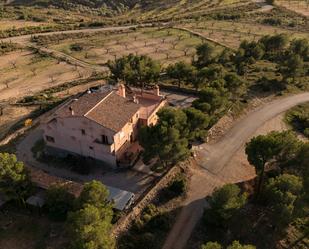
x=211, y=245
x=59, y=202
x=90, y=229
x=205, y=54
x=278, y=146
x=14, y=179
x=90, y=225
x=224, y=203
x=181, y=71
x=234, y=245
x=135, y=70
x=281, y=194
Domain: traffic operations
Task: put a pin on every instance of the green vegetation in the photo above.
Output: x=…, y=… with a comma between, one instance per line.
x=135, y=70
x=298, y=118
x=6, y=47
x=88, y=218
x=264, y=149
x=234, y=245
x=90, y=225
x=278, y=217
x=150, y=229
x=169, y=139
x=59, y=202
x=224, y=204
x=14, y=180
x=281, y=194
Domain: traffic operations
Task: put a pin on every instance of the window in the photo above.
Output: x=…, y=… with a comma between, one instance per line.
x=90, y=147
x=83, y=132
x=104, y=139
x=50, y=139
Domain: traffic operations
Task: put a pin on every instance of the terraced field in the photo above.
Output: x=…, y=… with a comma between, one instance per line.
x=23, y=73
x=165, y=45
x=232, y=33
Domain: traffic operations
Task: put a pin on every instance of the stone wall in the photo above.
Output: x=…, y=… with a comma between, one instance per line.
x=124, y=223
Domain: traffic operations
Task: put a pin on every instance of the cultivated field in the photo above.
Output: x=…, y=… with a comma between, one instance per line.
x=233, y=33
x=165, y=45
x=23, y=73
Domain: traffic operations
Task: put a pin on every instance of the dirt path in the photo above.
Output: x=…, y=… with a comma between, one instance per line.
x=216, y=170
x=71, y=60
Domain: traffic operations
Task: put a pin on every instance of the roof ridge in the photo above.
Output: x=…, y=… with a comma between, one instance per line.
x=91, y=109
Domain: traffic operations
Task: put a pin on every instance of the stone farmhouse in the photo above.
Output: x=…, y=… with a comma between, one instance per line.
x=103, y=125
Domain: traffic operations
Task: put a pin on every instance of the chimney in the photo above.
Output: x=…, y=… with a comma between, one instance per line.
x=135, y=99
x=122, y=90
x=72, y=111
x=156, y=90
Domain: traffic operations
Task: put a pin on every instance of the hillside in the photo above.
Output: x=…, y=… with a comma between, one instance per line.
x=88, y=3
x=120, y=4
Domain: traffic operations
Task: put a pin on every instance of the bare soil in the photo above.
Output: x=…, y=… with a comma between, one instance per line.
x=12, y=115
x=21, y=229
x=24, y=73
x=299, y=6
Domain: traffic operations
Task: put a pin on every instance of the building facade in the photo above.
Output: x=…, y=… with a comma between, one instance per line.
x=102, y=125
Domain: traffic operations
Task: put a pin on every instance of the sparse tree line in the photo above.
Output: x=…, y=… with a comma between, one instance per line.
x=6, y=47
x=88, y=217
x=280, y=194
x=56, y=38
x=34, y=29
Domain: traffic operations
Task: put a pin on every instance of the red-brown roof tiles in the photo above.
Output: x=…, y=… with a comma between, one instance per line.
x=107, y=109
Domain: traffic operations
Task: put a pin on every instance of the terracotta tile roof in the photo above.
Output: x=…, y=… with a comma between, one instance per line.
x=82, y=105
x=107, y=109
x=45, y=181
x=114, y=112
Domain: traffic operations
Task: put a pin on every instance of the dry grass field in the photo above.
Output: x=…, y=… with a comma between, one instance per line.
x=15, y=24
x=183, y=8
x=23, y=73
x=299, y=6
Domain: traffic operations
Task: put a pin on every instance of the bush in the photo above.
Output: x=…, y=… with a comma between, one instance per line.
x=272, y=21
x=59, y=202
x=179, y=185
x=224, y=204
x=76, y=47
x=298, y=118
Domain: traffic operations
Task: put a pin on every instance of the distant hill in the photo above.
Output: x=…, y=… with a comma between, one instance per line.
x=113, y=4
x=89, y=3
x=72, y=3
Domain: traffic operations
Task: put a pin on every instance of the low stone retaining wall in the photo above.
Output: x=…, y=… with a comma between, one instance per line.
x=124, y=223
x=203, y=37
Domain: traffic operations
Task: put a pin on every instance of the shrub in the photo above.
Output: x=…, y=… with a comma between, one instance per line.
x=298, y=118
x=179, y=185
x=59, y=202
x=76, y=47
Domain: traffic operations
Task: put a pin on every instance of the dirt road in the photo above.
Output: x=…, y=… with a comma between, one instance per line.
x=214, y=169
